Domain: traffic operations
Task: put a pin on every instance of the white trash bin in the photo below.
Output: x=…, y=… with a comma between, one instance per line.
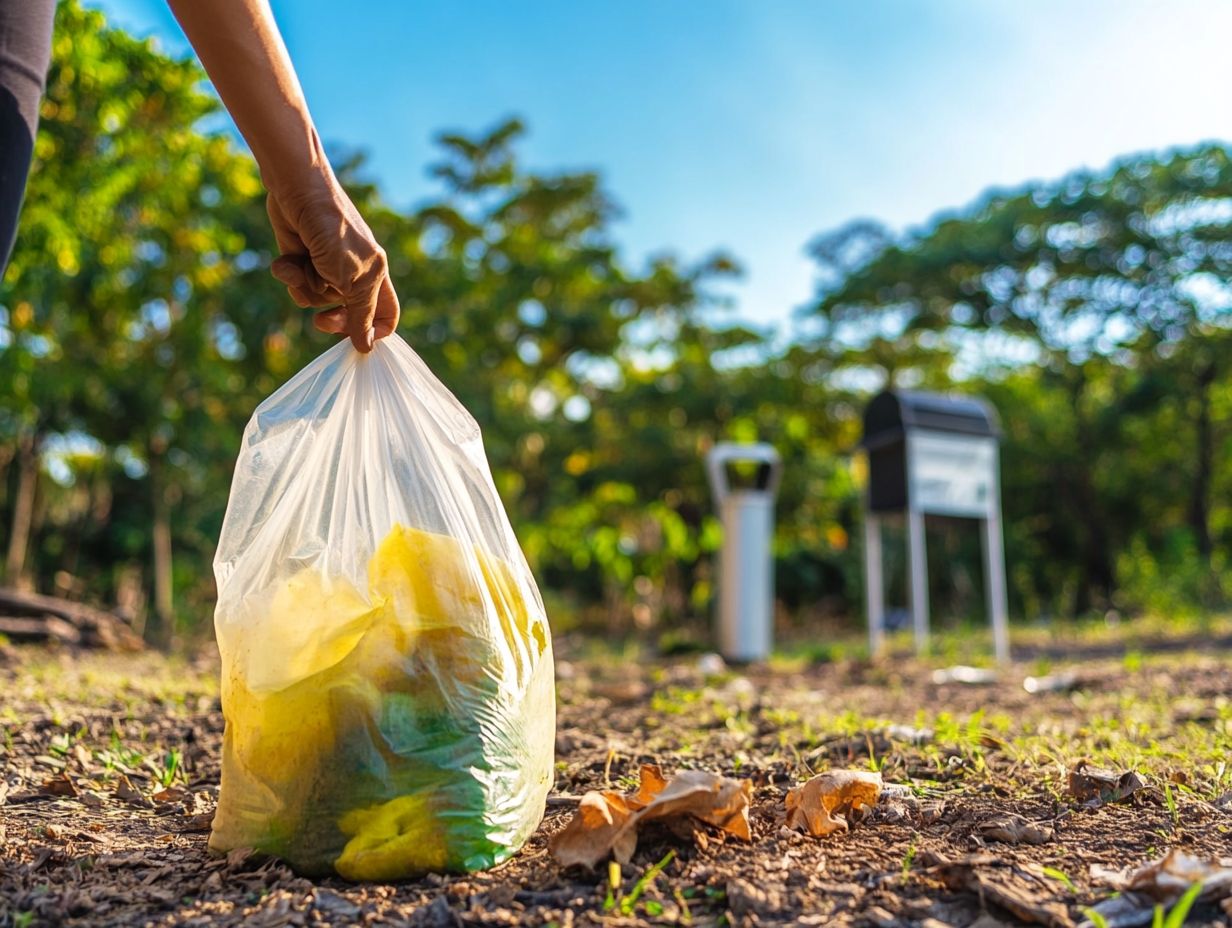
x=746, y=563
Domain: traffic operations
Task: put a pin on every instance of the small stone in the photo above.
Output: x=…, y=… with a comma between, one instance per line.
x=331, y=902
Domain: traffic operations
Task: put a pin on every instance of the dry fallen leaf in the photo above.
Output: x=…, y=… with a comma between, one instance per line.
x=607, y=821
x=1171, y=875
x=1014, y=829
x=1161, y=882
x=126, y=791
x=1094, y=786
x=822, y=805
x=59, y=785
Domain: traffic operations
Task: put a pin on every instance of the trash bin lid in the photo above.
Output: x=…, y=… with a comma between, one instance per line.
x=726, y=452
x=892, y=413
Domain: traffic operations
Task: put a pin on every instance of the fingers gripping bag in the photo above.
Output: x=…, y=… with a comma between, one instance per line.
x=387, y=676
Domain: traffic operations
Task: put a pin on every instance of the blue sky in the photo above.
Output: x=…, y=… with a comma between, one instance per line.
x=752, y=126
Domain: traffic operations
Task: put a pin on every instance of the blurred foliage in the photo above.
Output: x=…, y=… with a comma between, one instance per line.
x=139, y=328
x=1094, y=313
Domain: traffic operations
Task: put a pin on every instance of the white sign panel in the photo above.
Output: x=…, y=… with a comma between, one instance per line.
x=952, y=475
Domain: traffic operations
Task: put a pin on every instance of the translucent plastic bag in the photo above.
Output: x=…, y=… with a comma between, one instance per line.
x=387, y=666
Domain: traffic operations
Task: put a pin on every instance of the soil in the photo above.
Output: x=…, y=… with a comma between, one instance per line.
x=111, y=772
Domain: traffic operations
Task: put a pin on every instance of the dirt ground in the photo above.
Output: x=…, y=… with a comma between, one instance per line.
x=111, y=771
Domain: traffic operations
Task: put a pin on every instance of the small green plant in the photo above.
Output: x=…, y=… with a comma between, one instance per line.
x=629, y=902
x=613, y=886
x=908, y=860
x=1061, y=877
x=1095, y=918
x=686, y=917
x=1170, y=802
x=1178, y=913
x=171, y=766
x=23, y=919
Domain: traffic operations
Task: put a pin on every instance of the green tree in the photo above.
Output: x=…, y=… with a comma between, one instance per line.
x=1103, y=281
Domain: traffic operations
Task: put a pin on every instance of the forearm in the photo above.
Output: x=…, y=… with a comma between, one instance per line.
x=239, y=44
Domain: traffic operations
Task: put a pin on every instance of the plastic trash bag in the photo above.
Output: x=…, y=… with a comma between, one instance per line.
x=387, y=667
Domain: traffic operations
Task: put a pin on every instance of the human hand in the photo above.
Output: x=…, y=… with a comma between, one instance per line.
x=329, y=256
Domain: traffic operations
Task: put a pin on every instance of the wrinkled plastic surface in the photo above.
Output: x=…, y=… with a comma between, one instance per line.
x=387, y=665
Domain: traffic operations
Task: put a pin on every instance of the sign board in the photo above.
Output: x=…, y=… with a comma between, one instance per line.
x=931, y=454
x=952, y=475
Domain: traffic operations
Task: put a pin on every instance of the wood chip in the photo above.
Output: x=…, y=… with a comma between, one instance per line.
x=1014, y=829
x=1020, y=892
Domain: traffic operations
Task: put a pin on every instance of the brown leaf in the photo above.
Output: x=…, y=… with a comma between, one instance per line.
x=197, y=823
x=56, y=787
x=823, y=804
x=708, y=797
x=126, y=791
x=607, y=821
x=59, y=786
x=1095, y=786
x=596, y=828
x=170, y=794
x=1014, y=829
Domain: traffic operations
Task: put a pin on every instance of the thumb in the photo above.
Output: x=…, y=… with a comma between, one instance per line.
x=387, y=310
x=360, y=314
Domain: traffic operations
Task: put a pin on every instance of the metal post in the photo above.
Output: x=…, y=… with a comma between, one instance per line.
x=873, y=583
x=917, y=564
x=994, y=575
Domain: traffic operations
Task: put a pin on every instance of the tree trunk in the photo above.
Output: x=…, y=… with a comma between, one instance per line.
x=164, y=601
x=23, y=510
x=1204, y=455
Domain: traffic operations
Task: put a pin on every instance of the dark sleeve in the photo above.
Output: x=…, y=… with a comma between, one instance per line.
x=25, y=52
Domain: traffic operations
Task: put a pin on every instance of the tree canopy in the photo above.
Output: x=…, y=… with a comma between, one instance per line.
x=139, y=328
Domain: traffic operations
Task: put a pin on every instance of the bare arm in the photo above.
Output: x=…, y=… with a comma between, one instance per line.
x=329, y=255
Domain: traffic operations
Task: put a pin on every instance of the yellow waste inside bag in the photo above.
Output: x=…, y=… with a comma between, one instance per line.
x=386, y=733
x=386, y=837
